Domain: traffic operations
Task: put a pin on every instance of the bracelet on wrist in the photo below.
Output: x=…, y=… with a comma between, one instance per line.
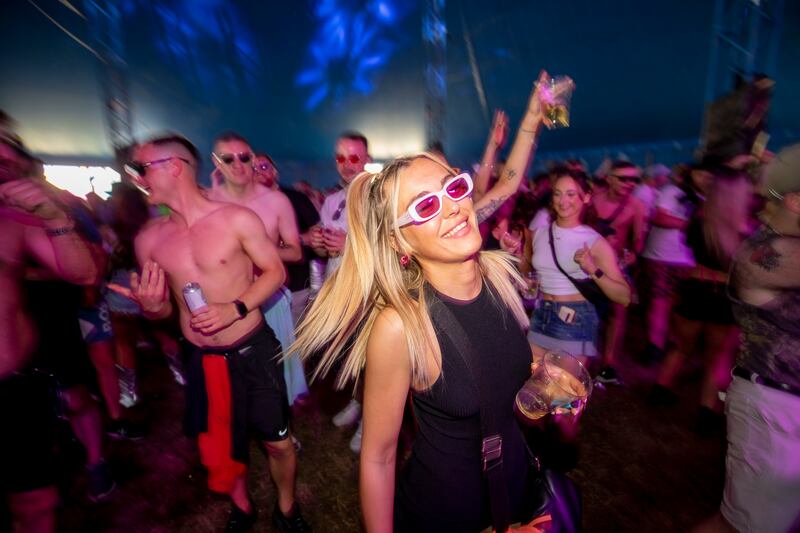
x=57, y=232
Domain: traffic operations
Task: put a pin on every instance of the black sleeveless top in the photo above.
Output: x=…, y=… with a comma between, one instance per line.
x=442, y=487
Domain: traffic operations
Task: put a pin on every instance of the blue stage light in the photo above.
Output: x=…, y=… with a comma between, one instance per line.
x=351, y=45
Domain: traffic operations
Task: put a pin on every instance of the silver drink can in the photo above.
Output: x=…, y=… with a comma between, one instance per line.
x=193, y=295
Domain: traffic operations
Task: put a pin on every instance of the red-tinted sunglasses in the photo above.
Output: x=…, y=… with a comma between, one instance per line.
x=426, y=207
x=353, y=158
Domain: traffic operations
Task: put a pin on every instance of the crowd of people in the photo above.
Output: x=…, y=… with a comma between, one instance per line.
x=419, y=281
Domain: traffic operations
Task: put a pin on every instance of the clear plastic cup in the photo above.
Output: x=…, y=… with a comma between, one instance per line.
x=556, y=97
x=558, y=380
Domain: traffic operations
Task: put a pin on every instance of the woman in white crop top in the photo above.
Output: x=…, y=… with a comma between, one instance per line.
x=564, y=319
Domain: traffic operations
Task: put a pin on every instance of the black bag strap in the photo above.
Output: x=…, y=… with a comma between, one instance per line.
x=555, y=259
x=617, y=211
x=492, y=443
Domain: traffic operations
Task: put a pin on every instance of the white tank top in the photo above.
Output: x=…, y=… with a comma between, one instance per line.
x=567, y=241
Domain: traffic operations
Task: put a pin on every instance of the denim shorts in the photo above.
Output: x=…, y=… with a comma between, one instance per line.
x=578, y=337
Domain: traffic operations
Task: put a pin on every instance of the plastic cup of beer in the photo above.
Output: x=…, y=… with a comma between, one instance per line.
x=556, y=95
x=531, y=285
x=558, y=380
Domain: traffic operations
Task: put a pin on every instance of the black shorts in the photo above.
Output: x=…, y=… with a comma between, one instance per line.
x=258, y=390
x=61, y=351
x=704, y=301
x=26, y=447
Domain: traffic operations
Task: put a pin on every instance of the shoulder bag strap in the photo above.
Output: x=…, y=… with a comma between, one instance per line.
x=555, y=259
x=491, y=445
x=620, y=208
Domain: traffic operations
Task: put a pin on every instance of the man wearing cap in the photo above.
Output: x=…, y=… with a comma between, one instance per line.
x=762, y=485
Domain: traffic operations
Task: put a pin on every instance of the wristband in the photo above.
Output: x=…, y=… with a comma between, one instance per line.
x=241, y=308
x=57, y=232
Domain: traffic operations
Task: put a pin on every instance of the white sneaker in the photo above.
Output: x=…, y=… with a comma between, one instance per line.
x=355, y=442
x=348, y=416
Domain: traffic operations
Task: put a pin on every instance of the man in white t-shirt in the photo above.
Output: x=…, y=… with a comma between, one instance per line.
x=328, y=238
x=666, y=259
x=655, y=177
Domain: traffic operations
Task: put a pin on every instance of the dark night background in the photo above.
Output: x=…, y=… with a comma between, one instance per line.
x=291, y=75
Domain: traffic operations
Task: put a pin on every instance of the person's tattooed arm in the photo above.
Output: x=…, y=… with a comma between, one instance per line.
x=483, y=213
x=766, y=257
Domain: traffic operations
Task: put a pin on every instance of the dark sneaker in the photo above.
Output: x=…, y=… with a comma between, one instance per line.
x=101, y=484
x=661, y=396
x=240, y=521
x=294, y=523
x=124, y=430
x=608, y=376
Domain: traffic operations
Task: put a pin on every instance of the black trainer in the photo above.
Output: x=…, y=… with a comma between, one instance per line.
x=101, y=484
x=608, y=376
x=294, y=523
x=240, y=521
x=124, y=430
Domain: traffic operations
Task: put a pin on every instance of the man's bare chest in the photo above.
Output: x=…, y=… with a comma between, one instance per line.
x=194, y=251
x=617, y=215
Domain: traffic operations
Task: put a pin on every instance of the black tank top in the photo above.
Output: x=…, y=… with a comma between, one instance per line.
x=442, y=487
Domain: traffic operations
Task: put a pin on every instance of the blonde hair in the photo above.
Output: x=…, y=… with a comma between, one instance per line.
x=370, y=278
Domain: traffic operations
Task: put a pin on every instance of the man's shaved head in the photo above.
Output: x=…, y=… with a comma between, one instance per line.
x=172, y=144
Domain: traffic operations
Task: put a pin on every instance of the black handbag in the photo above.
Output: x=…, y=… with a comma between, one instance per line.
x=547, y=492
x=587, y=287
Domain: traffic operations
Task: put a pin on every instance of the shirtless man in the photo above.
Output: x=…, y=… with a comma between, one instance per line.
x=235, y=161
x=218, y=246
x=621, y=220
x=32, y=226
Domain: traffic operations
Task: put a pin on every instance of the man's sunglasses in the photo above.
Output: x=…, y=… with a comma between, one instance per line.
x=264, y=167
x=353, y=158
x=628, y=179
x=426, y=207
x=138, y=169
x=244, y=158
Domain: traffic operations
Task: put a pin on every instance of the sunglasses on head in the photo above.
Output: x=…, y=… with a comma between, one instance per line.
x=428, y=206
x=138, y=169
x=244, y=158
x=352, y=158
x=628, y=179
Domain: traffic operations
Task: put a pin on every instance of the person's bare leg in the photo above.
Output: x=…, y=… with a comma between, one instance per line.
x=86, y=421
x=615, y=333
x=721, y=344
x=125, y=333
x=658, y=321
x=283, y=469
x=686, y=334
x=103, y=359
x=33, y=511
x=240, y=496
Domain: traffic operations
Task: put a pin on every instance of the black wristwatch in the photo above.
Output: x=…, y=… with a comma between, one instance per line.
x=241, y=308
x=598, y=274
